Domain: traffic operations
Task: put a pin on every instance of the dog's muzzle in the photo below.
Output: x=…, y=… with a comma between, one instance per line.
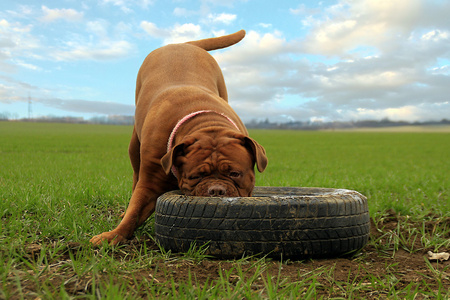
x=215, y=188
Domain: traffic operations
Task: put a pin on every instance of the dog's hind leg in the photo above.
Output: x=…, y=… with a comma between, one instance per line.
x=135, y=156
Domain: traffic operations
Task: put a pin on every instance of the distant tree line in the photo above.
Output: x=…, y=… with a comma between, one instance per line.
x=108, y=120
x=254, y=124
x=319, y=125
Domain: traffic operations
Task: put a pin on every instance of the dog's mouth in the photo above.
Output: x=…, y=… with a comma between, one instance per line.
x=215, y=188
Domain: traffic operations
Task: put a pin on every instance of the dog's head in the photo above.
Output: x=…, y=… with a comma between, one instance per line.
x=219, y=166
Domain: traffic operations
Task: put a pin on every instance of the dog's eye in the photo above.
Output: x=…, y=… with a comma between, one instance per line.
x=235, y=174
x=194, y=177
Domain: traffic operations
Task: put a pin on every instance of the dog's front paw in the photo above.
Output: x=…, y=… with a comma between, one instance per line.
x=111, y=237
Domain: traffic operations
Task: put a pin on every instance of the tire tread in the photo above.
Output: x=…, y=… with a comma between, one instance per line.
x=293, y=226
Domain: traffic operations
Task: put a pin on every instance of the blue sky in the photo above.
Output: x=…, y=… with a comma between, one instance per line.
x=301, y=60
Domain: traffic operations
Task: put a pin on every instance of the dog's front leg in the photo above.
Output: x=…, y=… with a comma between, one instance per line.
x=142, y=205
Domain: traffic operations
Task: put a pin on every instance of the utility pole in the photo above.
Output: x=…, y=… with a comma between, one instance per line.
x=29, y=107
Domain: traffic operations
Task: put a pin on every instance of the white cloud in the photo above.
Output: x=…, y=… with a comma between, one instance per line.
x=144, y=3
x=219, y=33
x=16, y=91
x=183, y=12
x=265, y=73
x=301, y=9
x=86, y=106
x=436, y=35
x=26, y=65
x=411, y=113
x=358, y=58
x=183, y=33
x=223, y=18
x=265, y=25
x=153, y=30
x=72, y=105
x=228, y=3
x=119, y=3
x=106, y=50
x=256, y=70
x=125, y=5
x=7, y=27
x=384, y=65
x=11, y=90
x=381, y=24
x=254, y=47
x=176, y=34
x=98, y=27
x=66, y=14
x=17, y=45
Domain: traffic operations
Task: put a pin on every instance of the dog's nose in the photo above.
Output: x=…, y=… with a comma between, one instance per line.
x=217, y=190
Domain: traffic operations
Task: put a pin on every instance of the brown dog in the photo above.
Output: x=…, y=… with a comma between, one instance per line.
x=184, y=126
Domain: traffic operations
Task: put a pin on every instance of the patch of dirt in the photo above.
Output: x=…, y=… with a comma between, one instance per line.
x=369, y=269
x=403, y=267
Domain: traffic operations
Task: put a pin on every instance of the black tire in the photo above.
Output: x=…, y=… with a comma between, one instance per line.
x=287, y=222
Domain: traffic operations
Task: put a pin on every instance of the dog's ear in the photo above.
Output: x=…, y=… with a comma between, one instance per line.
x=258, y=152
x=168, y=160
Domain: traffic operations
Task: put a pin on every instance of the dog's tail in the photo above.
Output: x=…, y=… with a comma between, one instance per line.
x=219, y=42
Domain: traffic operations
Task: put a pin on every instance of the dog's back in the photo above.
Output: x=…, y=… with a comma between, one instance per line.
x=186, y=64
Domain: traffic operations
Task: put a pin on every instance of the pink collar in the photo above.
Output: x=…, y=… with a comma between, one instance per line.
x=182, y=121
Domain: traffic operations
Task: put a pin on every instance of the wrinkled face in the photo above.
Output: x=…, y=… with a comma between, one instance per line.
x=219, y=167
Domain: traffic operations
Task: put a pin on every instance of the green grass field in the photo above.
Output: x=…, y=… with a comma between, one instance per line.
x=60, y=184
